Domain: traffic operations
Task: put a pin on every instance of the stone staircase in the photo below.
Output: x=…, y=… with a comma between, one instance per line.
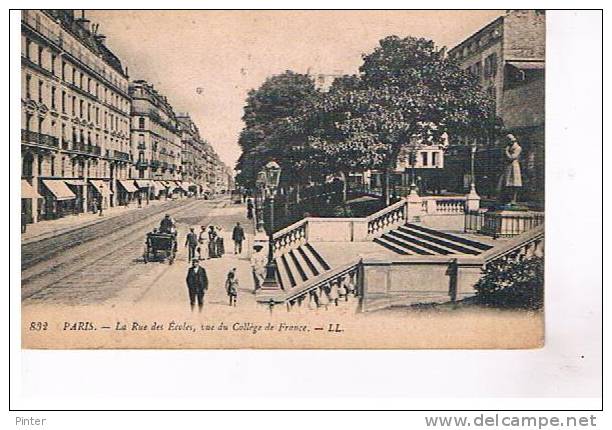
x=300, y=265
x=414, y=239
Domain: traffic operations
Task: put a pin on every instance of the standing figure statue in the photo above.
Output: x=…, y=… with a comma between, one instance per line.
x=510, y=181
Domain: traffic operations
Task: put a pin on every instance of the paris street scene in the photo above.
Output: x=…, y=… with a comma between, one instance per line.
x=282, y=179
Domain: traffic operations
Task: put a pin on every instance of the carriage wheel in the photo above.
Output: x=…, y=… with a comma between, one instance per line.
x=145, y=256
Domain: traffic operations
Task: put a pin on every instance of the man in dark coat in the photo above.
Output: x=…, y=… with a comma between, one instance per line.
x=197, y=284
x=191, y=242
x=238, y=237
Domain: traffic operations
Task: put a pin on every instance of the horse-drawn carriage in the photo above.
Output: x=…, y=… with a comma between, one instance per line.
x=160, y=247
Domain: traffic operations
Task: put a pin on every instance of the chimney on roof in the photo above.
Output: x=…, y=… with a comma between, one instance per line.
x=84, y=22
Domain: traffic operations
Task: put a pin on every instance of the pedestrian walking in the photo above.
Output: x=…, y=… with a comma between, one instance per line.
x=203, y=244
x=231, y=287
x=197, y=284
x=238, y=237
x=191, y=242
x=212, y=242
x=219, y=243
x=250, y=208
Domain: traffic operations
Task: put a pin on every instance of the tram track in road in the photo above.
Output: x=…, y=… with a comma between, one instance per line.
x=33, y=253
x=92, y=268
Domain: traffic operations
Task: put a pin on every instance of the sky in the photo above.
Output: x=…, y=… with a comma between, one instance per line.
x=205, y=62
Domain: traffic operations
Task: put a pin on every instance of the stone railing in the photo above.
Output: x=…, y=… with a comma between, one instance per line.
x=443, y=205
x=309, y=293
x=387, y=219
x=315, y=229
x=528, y=244
x=291, y=237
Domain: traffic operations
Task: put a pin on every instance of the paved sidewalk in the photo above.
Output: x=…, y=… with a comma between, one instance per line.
x=163, y=284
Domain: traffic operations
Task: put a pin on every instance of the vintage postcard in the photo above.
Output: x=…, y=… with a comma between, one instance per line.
x=282, y=179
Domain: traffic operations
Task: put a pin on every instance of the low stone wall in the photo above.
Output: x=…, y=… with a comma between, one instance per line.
x=409, y=282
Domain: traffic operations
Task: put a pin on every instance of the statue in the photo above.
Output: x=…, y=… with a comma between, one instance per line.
x=511, y=179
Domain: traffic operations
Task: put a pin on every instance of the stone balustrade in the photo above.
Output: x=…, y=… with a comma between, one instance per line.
x=443, y=205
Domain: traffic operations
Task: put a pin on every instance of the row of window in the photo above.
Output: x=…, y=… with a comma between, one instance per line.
x=50, y=29
x=78, y=135
x=489, y=70
x=78, y=107
x=75, y=168
x=71, y=75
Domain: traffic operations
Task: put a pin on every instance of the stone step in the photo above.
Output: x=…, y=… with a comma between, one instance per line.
x=318, y=257
x=450, y=237
x=407, y=245
x=425, y=244
x=311, y=262
x=392, y=246
x=447, y=243
x=298, y=266
x=287, y=271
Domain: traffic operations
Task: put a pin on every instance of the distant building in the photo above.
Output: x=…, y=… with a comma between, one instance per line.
x=197, y=166
x=508, y=57
x=75, y=141
x=156, y=140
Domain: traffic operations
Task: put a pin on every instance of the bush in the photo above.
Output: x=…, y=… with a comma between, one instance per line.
x=513, y=284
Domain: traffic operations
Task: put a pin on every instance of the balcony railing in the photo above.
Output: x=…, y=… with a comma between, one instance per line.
x=122, y=155
x=29, y=136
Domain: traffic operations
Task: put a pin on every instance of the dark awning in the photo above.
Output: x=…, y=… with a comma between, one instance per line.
x=527, y=65
x=128, y=185
x=59, y=189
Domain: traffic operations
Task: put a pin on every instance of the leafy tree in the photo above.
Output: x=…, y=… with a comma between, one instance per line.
x=407, y=91
x=266, y=115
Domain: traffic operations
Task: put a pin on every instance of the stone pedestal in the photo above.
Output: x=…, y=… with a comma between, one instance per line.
x=472, y=200
x=508, y=222
x=414, y=205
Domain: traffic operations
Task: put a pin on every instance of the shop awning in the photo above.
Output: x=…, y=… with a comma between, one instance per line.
x=164, y=184
x=101, y=187
x=27, y=191
x=128, y=185
x=59, y=189
x=527, y=65
x=143, y=183
x=77, y=182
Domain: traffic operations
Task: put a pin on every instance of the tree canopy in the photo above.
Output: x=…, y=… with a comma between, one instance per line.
x=406, y=91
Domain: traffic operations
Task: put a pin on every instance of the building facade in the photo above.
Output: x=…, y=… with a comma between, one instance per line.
x=75, y=142
x=156, y=141
x=508, y=57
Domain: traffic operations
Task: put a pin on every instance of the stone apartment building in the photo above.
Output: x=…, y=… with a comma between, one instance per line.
x=75, y=107
x=197, y=156
x=156, y=141
x=508, y=57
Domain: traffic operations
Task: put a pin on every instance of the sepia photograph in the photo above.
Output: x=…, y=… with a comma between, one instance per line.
x=283, y=179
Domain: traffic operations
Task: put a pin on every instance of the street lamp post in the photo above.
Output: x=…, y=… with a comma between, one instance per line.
x=271, y=173
x=472, y=199
x=259, y=199
x=472, y=174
